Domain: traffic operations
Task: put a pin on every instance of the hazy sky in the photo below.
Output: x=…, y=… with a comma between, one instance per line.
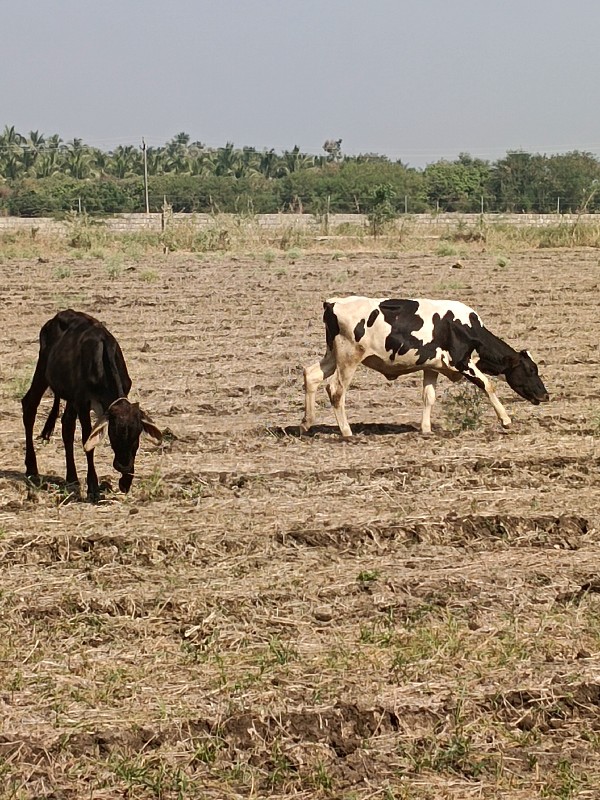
x=415, y=79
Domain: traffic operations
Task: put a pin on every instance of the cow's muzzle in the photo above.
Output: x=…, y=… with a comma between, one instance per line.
x=542, y=398
x=125, y=482
x=126, y=478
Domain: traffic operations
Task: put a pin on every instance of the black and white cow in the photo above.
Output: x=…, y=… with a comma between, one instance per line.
x=396, y=337
x=82, y=363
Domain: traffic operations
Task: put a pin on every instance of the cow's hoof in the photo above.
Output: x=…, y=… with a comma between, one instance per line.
x=94, y=495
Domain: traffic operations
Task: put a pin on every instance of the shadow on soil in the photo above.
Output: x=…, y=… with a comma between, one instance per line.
x=55, y=484
x=359, y=428
x=16, y=475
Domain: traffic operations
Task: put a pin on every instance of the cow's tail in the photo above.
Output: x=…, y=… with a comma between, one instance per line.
x=48, y=428
x=332, y=325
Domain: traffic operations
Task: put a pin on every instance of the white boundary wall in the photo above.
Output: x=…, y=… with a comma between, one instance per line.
x=132, y=223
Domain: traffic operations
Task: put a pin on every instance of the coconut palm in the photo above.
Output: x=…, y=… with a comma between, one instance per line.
x=125, y=161
x=156, y=159
x=178, y=154
x=268, y=164
x=11, y=152
x=32, y=147
x=202, y=163
x=49, y=158
x=78, y=160
x=295, y=161
x=249, y=164
x=227, y=161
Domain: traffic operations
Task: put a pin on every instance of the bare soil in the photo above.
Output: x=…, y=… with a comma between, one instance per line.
x=275, y=615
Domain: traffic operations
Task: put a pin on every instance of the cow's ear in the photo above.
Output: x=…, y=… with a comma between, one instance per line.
x=151, y=429
x=96, y=435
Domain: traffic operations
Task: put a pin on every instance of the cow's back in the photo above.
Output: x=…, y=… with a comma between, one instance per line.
x=395, y=336
x=83, y=357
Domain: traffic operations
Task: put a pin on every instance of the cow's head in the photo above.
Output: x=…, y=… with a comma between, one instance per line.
x=125, y=423
x=523, y=377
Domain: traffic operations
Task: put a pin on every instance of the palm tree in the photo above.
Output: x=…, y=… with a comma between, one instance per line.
x=294, y=161
x=49, y=160
x=100, y=161
x=125, y=161
x=249, y=165
x=178, y=154
x=11, y=152
x=78, y=160
x=202, y=164
x=268, y=164
x=155, y=158
x=32, y=147
x=181, y=140
x=227, y=160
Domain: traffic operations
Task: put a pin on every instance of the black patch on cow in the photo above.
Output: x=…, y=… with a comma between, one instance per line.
x=474, y=379
x=401, y=316
x=332, y=326
x=359, y=330
x=372, y=317
x=456, y=339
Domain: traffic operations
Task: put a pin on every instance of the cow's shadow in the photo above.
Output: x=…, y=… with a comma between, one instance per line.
x=54, y=483
x=358, y=428
x=17, y=475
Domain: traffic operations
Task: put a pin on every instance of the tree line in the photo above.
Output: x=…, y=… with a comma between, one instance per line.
x=42, y=175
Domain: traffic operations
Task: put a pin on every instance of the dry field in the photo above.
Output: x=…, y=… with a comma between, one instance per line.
x=269, y=615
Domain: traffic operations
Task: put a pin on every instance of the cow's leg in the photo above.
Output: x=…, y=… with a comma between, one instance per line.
x=92, y=478
x=336, y=390
x=30, y=404
x=69, y=419
x=476, y=376
x=313, y=377
x=429, y=380
x=48, y=428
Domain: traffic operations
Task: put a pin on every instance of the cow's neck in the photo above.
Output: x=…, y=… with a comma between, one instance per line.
x=109, y=399
x=101, y=405
x=495, y=355
x=111, y=391
x=113, y=387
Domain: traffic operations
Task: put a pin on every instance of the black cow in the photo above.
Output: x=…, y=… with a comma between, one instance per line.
x=396, y=337
x=82, y=363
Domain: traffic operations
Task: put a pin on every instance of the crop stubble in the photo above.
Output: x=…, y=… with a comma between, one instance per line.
x=275, y=615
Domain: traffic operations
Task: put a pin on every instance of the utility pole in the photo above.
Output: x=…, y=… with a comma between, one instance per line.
x=144, y=148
